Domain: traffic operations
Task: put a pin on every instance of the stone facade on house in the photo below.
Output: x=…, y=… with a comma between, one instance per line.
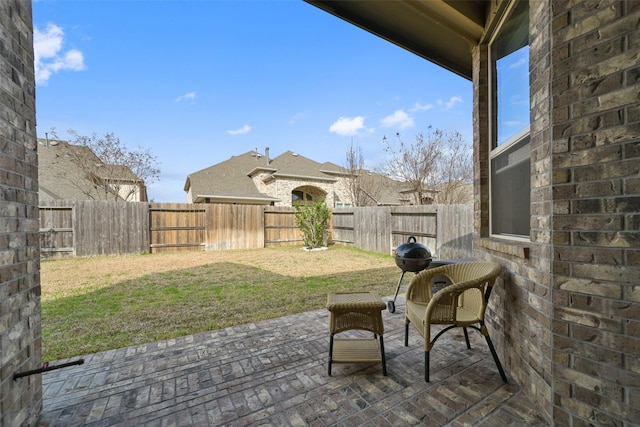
x=20, y=336
x=255, y=178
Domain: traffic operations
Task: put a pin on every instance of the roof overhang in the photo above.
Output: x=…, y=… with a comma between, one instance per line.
x=441, y=31
x=298, y=177
x=261, y=169
x=236, y=200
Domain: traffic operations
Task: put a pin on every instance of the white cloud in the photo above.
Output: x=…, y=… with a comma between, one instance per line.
x=187, y=96
x=450, y=103
x=244, y=129
x=48, y=55
x=420, y=107
x=518, y=64
x=296, y=118
x=398, y=119
x=347, y=125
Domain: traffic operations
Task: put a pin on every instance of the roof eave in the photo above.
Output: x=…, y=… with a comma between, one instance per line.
x=302, y=177
x=440, y=31
x=236, y=199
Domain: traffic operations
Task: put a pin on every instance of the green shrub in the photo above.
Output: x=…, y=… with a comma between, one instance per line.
x=313, y=221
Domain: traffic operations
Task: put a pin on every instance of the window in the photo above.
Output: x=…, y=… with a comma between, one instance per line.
x=510, y=152
x=300, y=196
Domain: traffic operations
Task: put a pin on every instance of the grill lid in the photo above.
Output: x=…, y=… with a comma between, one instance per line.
x=412, y=256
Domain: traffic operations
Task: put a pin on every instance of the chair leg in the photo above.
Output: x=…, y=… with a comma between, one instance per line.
x=406, y=334
x=426, y=366
x=330, y=354
x=466, y=337
x=495, y=358
x=384, y=360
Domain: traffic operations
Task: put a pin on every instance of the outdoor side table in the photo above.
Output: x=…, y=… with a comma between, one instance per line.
x=356, y=311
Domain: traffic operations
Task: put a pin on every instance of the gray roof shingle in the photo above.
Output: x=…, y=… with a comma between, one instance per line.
x=232, y=178
x=229, y=178
x=61, y=175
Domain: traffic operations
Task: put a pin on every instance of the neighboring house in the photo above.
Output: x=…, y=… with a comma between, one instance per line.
x=255, y=178
x=74, y=172
x=556, y=203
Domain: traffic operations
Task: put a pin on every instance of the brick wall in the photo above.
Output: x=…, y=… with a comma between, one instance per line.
x=596, y=200
x=20, y=400
x=520, y=313
x=566, y=318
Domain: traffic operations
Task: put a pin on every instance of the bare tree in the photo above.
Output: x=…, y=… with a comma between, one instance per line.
x=436, y=168
x=110, y=169
x=455, y=171
x=415, y=164
x=363, y=188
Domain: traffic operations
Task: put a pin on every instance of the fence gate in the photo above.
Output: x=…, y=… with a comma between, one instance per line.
x=177, y=227
x=56, y=231
x=280, y=227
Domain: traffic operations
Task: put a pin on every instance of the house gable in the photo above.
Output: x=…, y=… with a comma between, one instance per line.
x=74, y=172
x=254, y=178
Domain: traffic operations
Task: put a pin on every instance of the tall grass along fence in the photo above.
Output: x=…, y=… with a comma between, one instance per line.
x=88, y=228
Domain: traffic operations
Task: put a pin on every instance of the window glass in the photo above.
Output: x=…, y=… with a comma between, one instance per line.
x=513, y=94
x=511, y=153
x=510, y=188
x=300, y=196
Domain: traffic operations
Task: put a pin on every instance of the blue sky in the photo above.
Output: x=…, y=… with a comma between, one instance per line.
x=197, y=82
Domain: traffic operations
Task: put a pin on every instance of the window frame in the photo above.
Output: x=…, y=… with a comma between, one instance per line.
x=496, y=148
x=307, y=197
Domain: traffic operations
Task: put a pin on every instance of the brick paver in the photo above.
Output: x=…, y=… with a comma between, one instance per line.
x=274, y=373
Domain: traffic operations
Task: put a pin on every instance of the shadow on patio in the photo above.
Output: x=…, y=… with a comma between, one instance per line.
x=275, y=373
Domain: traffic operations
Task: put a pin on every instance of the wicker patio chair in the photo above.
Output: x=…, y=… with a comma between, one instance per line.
x=459, y=304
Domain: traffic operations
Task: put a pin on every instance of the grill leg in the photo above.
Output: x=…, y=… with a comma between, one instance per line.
x=397, y=290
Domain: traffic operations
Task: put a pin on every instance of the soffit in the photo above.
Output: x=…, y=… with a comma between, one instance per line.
x=441, y=31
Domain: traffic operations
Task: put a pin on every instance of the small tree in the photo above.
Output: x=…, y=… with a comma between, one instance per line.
x=313, y=220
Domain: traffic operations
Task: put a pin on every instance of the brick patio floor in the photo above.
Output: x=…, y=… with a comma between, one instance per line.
x=274, y=373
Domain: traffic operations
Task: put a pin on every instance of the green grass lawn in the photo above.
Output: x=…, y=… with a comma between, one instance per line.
x=123, y=307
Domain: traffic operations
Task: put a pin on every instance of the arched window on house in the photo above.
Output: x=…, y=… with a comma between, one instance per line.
x=299, y=196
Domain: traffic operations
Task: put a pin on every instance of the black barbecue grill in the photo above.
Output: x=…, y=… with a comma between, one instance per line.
x=410, y=256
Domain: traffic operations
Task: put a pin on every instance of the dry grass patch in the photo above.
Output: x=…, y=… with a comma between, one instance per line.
x=101, y=303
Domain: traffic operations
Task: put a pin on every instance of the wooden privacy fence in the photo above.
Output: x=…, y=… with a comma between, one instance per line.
x=88, y=228
x=447, y=230
x=186, y=226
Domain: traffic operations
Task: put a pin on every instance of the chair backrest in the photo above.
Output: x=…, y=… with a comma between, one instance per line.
x=471, y=284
